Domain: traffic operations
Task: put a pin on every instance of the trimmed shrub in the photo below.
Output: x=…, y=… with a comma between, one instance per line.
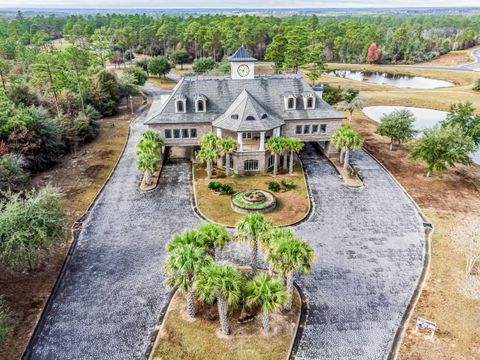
x=215, y=186
x=226, y=189
x=29, y=223
x=138, y=74
x=202, y=65
x=12, y=175
x=274, y=186
x=288, y=184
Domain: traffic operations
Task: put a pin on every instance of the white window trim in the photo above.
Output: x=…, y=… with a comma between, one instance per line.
x=184, y=106
x=305, y=102
x=287, y=98
x=204, y=102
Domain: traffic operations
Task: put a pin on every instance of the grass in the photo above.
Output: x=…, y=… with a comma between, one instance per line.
x=292, y=205
x=181, y=338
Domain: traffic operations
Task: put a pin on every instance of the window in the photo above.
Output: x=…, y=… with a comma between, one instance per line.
x=180, y=106
x=249, y=117
x=168, y=133
x=224, y=161
x=291, y=103
x=264, y=116
x=270, y=161
x=176, y=133
x=250, y=165
x=298, y=129
x=323, y=128
x=310, y=103
x=193, y=133
x=200, y=107
x=247, y=135
x=314, y=128
x=185, y=133
x=306, y=129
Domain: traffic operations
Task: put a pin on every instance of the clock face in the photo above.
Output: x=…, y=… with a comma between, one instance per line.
x=243, y=70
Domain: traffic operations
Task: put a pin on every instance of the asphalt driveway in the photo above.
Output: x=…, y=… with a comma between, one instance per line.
x=369, y=244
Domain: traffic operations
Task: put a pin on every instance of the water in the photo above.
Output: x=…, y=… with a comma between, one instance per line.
x=401, y=81
x=424, y=118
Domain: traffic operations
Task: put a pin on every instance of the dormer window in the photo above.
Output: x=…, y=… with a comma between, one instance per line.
x=249, y=117
x=290, y=101
x=200, y=103
x=264, y=116
x=180, y=104
x=309, y=100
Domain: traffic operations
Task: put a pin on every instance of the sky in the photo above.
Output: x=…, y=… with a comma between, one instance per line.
x=235, y=3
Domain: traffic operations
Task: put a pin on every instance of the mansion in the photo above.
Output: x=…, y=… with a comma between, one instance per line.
x=247, y=107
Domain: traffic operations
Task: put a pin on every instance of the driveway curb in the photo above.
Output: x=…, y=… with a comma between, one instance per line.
x=75, y=230
x=408, y=314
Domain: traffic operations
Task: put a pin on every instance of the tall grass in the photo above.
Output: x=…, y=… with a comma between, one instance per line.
x=30, y=223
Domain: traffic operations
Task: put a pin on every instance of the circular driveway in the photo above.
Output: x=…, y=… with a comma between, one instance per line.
x=369, y=244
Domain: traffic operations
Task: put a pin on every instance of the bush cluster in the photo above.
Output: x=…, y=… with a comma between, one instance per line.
x=224, y=189
x=287, y=184
x=29, y=223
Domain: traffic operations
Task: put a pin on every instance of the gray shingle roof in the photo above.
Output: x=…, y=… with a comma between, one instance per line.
x=241, y=54
x=246, y=114
x=221, y=93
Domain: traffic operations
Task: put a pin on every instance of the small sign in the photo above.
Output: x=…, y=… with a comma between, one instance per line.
x=425, y=325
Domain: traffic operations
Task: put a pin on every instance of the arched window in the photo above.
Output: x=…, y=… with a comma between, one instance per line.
x=309, y=103
x=249, y=117
x=291, y=103
x=264, y=116
x=200, y=105
x=180, y=106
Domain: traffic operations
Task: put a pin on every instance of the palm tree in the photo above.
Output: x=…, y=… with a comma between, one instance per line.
x=227, y=146
x=222, y=282
x=192, y=236
x=251, y=229
x=208, y=154
x=346, y=139
x=147, y=162
x=209, y=139
x=294, y=146
x=215, y=236
x=268, y=293
x=152, y=136
x=289, y=254
x=351, y=105
x=276, y=146
x=183, y=263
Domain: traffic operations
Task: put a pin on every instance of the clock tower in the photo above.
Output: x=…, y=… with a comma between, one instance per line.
x=242, y=64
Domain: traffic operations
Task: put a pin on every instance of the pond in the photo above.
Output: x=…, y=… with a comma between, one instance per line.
x=424, y=118
x=383, y=78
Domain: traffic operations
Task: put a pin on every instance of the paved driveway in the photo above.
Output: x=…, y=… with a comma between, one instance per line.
x=369, y=247
x=113, y=290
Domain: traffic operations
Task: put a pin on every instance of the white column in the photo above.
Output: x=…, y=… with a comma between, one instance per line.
x=240, y=141
x=262, y=141
x=219, y=132
x=276, y=131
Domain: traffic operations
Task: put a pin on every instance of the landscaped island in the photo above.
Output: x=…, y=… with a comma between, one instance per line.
x=292, y=205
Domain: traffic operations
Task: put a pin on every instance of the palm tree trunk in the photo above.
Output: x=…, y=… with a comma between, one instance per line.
x=222, y=313
x=275, y=164
x=254, y=257
x=227, y=163
x=391, y=146
x=209, y=169
x=290, y=170
x=342, y=153
x=350, y=117
x=285, y=160
x=148, y=177
x=288, y=304
x=429, y=173
x=347, y=159
x=266, y=321
x=190, y=304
